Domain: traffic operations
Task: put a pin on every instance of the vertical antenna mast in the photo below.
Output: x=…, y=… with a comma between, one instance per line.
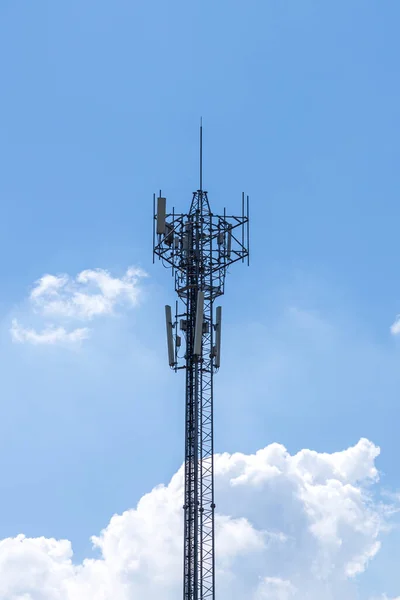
x=199, y=246
x=201, y=154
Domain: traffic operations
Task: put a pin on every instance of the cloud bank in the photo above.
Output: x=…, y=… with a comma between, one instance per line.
x=66, y=301
x=288, y=527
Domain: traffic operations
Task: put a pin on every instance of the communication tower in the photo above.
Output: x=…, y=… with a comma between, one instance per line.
x=198, y=246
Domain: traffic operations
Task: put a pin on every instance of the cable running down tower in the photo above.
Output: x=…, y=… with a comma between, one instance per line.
x=198, y=246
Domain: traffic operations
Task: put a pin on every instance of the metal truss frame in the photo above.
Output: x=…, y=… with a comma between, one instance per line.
x=199, y=247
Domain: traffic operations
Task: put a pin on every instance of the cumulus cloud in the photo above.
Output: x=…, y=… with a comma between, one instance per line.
x=67, y=300
x=90, y=294
x=288, y=527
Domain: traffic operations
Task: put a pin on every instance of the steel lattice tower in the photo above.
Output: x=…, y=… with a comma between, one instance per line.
x=198, y=246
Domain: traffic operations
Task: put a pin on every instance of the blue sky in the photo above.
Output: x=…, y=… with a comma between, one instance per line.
x=99, y=108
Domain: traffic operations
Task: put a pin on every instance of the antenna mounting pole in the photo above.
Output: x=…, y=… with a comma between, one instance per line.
x=201, y=154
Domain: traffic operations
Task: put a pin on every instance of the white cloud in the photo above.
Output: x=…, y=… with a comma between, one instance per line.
x=92, y=293
x=273, y=588
x=288, y=527
x=395, y=328
x=49, y=285
x=49, y=335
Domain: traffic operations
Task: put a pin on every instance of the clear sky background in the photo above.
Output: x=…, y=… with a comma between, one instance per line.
x=99, y=107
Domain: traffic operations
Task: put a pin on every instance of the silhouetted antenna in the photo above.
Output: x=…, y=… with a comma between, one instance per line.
x=170, y=341
x=198, y=331
x=161, y=213
x=218, y=326
x=198, y=246
x=201, y=154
